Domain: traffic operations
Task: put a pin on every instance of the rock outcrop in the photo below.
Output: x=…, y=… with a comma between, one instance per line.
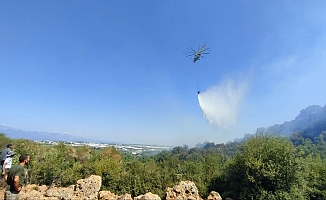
x=148, y=196
x=107, y=195
x=214, y=196
x=89, y=189
x=84, y=189
x=60, y=193
x=186, y=190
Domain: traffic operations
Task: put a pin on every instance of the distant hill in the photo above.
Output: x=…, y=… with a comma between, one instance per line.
x=33, y=135
x=309, y=123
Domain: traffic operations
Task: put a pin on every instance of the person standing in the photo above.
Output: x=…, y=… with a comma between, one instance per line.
x=4, y=153
x=16, y=178
x=7, y=164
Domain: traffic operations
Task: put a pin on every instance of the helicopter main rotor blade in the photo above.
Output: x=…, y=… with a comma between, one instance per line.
x=189, y=48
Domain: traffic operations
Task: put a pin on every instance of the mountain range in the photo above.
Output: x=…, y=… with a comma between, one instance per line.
x=15, y=133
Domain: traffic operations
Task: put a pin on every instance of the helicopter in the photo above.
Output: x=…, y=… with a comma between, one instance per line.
x=197, y=54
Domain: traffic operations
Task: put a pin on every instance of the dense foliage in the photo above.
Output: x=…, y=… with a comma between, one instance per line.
x=260, y=167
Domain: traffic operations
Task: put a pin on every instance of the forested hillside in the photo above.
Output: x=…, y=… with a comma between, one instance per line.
x=261, y=167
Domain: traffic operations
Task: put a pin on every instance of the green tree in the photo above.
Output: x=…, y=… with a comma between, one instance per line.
x=265, y=168
x=51, y=167
x=315, y=176
x=108, y=165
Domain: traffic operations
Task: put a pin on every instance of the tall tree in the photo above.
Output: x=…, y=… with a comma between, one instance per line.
x=265, y=168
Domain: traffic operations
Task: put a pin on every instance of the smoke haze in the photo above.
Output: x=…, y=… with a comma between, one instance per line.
x=220, y=104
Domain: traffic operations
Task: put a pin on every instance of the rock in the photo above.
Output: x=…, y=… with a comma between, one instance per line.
x=42, y=188
x=60, y=193
x=34, y=192
x=186, y=190
x=214, y=196
x=84, y=189
x=88, y=188
x=107, y=195
x=30, y=195
x=124, y=197
x=29, y=188
x=148, y=196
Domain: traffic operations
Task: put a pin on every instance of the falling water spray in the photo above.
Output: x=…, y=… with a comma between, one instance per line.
x=220, y=104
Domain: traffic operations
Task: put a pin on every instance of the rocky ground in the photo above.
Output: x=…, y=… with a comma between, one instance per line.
x=89, y=189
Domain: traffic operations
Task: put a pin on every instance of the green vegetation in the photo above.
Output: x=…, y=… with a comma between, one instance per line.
x=261, y=167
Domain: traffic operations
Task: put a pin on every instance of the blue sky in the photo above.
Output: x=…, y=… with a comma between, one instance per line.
x=116, y=70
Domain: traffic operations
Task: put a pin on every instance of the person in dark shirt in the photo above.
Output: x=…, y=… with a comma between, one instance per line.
x=16, y=178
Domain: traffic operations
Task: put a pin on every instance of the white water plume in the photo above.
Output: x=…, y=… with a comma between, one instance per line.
x=220, y=104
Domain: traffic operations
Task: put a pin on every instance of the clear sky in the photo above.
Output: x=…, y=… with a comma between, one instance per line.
x=116, y=70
